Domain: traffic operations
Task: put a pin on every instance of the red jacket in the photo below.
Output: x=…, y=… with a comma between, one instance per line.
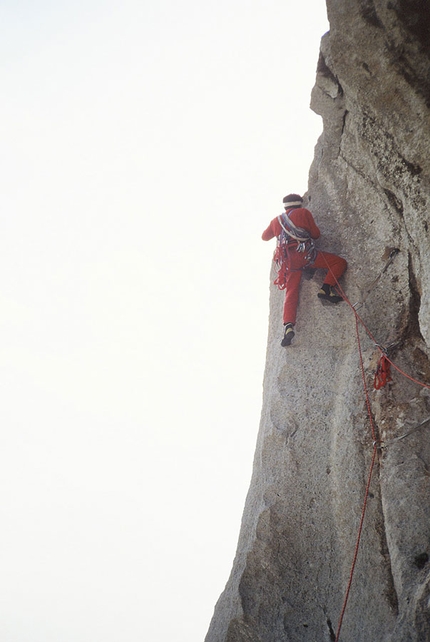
x=301, y=217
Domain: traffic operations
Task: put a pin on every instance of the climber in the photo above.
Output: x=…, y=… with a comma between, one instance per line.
x=296, y=231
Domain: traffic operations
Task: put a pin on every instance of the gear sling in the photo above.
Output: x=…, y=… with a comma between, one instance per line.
x=292, y=238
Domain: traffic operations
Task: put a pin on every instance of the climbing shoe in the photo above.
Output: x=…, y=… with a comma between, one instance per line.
x=288, y=335
x=328, y=293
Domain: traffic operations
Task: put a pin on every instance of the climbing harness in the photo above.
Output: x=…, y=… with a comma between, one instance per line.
x=291, y=237
x=382, y=376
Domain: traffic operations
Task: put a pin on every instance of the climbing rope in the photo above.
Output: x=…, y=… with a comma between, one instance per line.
x=357, y=543
x=420, y=383
x=382, y=377
x=369, y=479
x=381, y=349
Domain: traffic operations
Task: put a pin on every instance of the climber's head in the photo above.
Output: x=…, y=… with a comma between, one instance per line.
x=292, y=200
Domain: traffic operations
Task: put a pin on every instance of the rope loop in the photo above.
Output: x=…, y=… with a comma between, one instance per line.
x=383, y=372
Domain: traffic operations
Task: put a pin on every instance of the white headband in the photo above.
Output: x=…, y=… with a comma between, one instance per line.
x=293, y=203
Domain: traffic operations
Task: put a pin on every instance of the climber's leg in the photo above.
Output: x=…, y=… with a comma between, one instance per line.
x=335, y=266
x=292, y=296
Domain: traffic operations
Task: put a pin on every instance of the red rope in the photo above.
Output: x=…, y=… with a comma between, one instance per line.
x=381, y=350
x=420, y=383
x=369, y=479
x=381, y=378
x=363, y=377
x=357, y=544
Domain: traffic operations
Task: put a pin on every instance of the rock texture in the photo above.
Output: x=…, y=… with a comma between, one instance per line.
x=369, y=192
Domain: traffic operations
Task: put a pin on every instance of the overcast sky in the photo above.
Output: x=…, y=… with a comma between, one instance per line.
x=145, y=147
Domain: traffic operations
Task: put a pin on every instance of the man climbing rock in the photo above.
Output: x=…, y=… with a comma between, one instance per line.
x=296, y=231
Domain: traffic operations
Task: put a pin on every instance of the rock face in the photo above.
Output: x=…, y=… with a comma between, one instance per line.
x=369, y=193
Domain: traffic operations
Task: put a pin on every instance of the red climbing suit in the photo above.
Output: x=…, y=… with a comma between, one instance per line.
x=336, y=266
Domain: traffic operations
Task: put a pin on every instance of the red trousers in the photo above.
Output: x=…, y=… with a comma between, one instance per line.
x=335, y=265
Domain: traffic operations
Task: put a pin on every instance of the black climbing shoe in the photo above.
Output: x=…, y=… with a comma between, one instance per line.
x=328, y=293
x=288, y=335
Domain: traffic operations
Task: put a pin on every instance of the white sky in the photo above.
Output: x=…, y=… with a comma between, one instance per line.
x=145, y=147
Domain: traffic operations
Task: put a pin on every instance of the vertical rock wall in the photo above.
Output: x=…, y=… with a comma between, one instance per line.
x=369, y=193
